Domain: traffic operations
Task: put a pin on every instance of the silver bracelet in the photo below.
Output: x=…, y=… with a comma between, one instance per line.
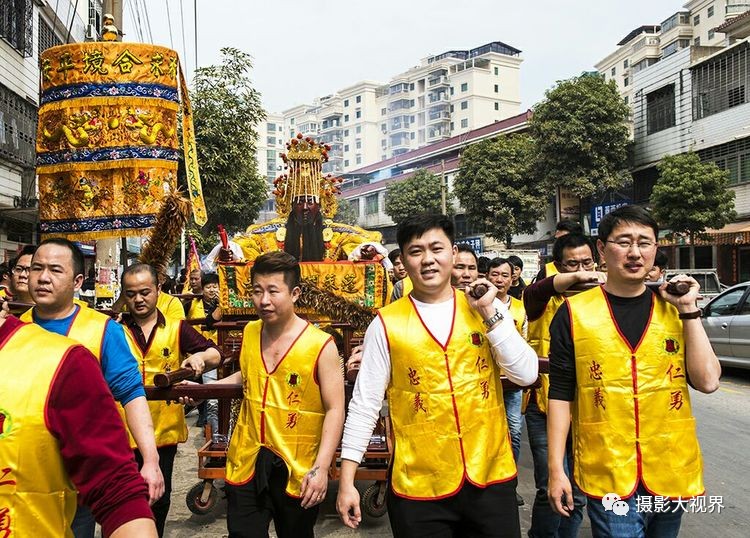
x=498, y=316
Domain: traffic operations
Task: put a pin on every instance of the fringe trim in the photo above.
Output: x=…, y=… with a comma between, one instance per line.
x=88, y=102
x=103, y=234
x=107, y=165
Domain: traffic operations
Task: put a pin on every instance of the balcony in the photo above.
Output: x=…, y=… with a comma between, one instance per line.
x=398, y=88
x=330, y=124
x=437, y=81
x=438, y=132
x=399, y=141
x=399, y=123
x=400, y=104
x=736, y=7
x=438, y=97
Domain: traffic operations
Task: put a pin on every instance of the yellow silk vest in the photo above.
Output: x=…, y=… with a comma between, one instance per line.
x=539, y=342
x=518, y=313
x=197, y=311
x=162, y=355
x=36, y=495
x=87, y=328
x=631, y=417
x=281, y=410
x=408, y=286
x=550, y=269
x=446, y=405
x=170, y=306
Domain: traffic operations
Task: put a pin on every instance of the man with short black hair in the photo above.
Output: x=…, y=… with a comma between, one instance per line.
x=518, y=284
x=437, y=352
x=56, y=273
x=465, y=269
x=620, y=359
x=19, y=269
x=656, y=274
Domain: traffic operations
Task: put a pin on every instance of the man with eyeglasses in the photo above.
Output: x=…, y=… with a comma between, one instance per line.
x=621, y=359
x=19, y=271
x=574, y=263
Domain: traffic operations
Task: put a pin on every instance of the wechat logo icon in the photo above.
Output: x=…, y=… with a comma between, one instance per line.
x=612, y=501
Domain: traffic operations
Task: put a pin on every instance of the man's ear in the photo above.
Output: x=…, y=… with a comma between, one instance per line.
x=77, y=282
x=296, y=292
x=600, y=248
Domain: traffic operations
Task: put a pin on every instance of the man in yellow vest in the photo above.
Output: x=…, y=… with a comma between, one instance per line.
x=159, y=344
x=563, y=227
x=621, y=359
x=56, y=273
x=437, y=354
x=19, y=275
x=51, y=450
x=500, y=273
x=574, y=264
x=292, y=411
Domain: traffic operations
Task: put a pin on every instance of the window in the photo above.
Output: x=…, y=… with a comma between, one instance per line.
x=358, y=143
x=625, y=64
x=465, y=87
x=383, y=111
x=358, y=114
x=697, y=41
x=346, y=102
x=359, y=99
x=371, y=204
x=47, y=38
x=411, y=87
x=346, y=117
x=451, y=108
x=358, y=129
x=451, y=126
x=710, y=12
x=710, y=35
x=270, y=157
x=497, y=106
x=719, y=84
x=696, y=20
x=613, y=72
x=626, y=81
x=346, y=147
x=464, y=123
x=291, y=121
x=17, y=26
x=464, y=105
x=497, y=71
x=346, y=163
x=271, y=128
x=271, y=140
x=726, y=305
x=359, y=159
x=354, y=204
x=346, y=132
x=411, y=135
x=451, y=90
x=660, y=109
x=497, y=88
x=383, y=144
x=627, y=99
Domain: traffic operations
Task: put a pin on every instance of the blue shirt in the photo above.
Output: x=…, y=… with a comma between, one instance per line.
x=119, y=366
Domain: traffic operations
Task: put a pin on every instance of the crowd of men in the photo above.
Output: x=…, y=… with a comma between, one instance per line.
x=612, y=417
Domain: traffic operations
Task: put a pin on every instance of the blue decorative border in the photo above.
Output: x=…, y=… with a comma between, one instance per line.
x=97, y=224
x=106, y=154
x=121, y=89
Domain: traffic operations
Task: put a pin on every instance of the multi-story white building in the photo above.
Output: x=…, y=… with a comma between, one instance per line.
x=695, y=96
x=27, y=28
x=271, y=144
x=446, y=95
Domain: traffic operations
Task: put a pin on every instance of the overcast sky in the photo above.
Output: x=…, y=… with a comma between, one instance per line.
x=304, y=49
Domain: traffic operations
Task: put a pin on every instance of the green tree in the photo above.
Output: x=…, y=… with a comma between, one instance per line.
x=691, y=195
x=582, y=136
x=226, y=109
x=496, y=187
x=420, y=193
x=345, y=212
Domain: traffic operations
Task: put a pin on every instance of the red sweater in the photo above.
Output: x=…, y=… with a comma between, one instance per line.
x=81, y=414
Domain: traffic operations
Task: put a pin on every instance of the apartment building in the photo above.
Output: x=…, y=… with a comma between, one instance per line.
x=271, y=144
x=693, y=96
x=27, y=28
x=446, y=95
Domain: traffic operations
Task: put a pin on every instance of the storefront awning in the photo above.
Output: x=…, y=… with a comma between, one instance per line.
x=734, y=233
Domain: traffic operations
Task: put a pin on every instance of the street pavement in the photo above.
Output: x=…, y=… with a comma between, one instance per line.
x=723, y=428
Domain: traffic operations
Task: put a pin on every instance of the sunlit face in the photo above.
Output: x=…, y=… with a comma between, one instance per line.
x=141, y=294
x=429, y=260
x=516, y=274
x=52, y=281
x=576, y=259
x=629, y=252
x=195, y=282
x=399, y=271
x=19, y=277
x=273, y=299
x=464, y=270
x=656, y=274
x=502, y=278
x=306, y=209
x=211, y=291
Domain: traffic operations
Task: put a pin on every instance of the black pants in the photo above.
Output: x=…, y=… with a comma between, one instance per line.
x=160, y=508
x=473, y=512
x=249, y=511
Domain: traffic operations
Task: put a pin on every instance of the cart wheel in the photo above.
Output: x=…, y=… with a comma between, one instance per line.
x=194, y=502
x=370, y=502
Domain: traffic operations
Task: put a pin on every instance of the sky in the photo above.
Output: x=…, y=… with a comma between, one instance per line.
x=305, y=49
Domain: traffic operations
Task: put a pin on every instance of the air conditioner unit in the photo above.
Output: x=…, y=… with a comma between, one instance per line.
x=91, y=33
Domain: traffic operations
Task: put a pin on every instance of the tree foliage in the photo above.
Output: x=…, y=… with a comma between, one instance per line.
x=226, y=109
x=496, y=188
x=582, y=136
x=691, y=195
x=345, y=212
x=420, y=193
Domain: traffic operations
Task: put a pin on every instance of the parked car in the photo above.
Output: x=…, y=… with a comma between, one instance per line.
x=726, y=319
x=707, y=278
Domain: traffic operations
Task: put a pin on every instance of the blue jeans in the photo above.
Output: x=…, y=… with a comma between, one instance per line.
x=512, y=400
x=545, y=521
x=83, y=524
x=660, y=524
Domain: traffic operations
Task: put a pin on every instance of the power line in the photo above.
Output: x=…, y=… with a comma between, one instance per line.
x=182, y=23
x=169, y=23
x=195, y=30
x=148, y=22
x=72, y=18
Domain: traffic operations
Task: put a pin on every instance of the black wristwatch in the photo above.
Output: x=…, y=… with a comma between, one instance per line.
x=691, y=315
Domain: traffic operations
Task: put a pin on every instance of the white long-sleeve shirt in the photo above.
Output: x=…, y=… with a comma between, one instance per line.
x=509, y=349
